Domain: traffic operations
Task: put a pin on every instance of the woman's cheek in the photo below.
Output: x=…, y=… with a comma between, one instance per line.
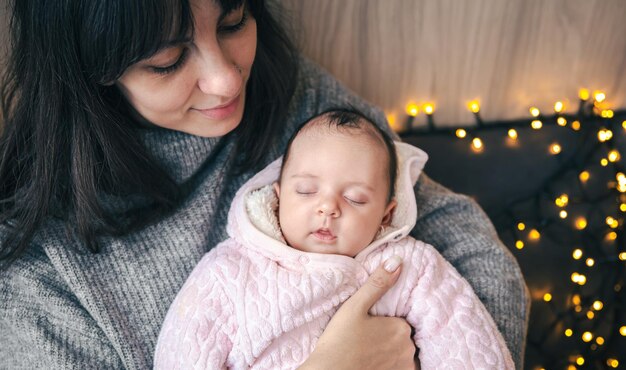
x=174, y=95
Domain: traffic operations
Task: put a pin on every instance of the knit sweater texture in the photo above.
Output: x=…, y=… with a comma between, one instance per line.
x=62, y=307
x=254, y=302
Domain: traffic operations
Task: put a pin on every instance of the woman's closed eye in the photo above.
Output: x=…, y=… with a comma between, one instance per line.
x=234, y=23
x=173, y=66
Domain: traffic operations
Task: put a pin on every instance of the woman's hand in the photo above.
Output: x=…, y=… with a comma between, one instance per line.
x=355, y=340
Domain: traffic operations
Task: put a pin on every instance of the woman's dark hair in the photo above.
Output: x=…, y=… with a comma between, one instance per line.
x=69, y=139
x=352, y=118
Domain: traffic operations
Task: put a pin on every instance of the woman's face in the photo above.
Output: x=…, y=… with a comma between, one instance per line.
x=197, y=86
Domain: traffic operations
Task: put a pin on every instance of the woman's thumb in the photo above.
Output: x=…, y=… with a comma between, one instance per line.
x=379, y=282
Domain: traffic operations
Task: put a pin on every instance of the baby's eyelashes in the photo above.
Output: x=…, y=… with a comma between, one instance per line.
x=302, y=192
x=355, y=202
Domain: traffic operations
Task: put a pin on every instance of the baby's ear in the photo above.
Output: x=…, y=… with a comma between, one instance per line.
x=276, y=186
x=389, y=213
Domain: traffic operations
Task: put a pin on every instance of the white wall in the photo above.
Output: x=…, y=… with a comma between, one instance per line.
x=510, y=54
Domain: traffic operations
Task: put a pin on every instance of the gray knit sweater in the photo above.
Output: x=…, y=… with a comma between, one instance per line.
x=61, y=307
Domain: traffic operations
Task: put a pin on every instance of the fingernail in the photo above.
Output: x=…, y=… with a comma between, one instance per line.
x=392, y=263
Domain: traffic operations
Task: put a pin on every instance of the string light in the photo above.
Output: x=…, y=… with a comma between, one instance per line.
x=581, y=223
x=412, y=109
x=534, y=112
x=597, y=305
x=474, y=106
x=600, y=341
x=584, y=176
x=622, y=331
x=583, y=94
x=562, y=200
x=534, y=235
x=512, y=134
x=599, y=96
x=579, y=279
x=614, y=156
x=577, y=254
x=611, y=362
x=558, y=107
x=621, y=182
x=588, y=114
x=607, y=113
x=536, y=124
x=477, y=144
x=613, y=223
x=429, y=108
x=580, y=360
x=605, y=135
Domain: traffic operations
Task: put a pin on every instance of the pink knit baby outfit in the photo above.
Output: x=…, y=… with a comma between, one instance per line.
x=254, y=302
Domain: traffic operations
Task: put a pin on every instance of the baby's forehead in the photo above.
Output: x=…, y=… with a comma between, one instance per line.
x=354, y=132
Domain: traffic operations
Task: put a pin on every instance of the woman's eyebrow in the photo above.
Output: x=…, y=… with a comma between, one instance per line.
x=224, y=12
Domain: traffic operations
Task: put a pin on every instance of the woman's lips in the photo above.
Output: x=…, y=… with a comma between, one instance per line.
x=221, y=112
x=325, y=236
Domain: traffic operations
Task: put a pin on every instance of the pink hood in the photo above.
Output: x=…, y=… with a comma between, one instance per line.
x=252, y=218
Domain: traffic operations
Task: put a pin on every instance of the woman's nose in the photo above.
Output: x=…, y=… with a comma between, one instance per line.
x=328, y=208
x=219, y=76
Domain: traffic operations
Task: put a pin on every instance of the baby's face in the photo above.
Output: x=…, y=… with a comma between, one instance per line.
x=333, y=193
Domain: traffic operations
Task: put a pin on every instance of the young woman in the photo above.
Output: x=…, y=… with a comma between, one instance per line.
x=128, y=127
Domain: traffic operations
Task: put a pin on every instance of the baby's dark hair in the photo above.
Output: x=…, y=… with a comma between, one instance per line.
x=352, y=119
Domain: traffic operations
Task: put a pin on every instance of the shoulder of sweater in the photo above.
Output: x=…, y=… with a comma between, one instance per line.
x=315, y=81
x=31, y=281
x=432, y=196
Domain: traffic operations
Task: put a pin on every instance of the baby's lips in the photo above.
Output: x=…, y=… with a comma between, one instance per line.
x=324, y=235
x=324, y=231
